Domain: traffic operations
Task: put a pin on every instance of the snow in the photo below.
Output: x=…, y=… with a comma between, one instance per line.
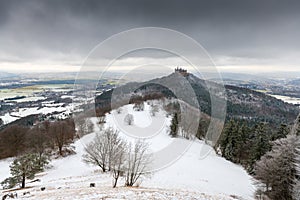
x=189, y=177
x=23, y=112
x=212, y=174
x=153, y=129
x=67, y=96
x=30, y=98
x=7, y=118
x=287, y=99
x=48, y=108
x=4, y=166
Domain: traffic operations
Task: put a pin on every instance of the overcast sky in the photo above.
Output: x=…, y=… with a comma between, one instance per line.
x=50, y=35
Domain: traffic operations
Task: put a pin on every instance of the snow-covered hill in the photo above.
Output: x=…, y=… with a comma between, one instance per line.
x=188, y=178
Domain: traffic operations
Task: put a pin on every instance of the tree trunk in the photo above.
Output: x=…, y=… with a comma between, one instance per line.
x=60, y=150
x=115, y=182
x=23, y=181
x=117, y=175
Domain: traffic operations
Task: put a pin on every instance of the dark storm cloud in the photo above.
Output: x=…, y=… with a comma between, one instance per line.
x=67, y=30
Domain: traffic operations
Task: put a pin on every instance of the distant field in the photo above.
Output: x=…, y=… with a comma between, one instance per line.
x=263, y=91
x=30, y=90
x=287, y=99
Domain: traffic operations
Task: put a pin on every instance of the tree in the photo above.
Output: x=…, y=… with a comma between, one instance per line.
x=282, y=132
x=84, y=125
x=138, y=106
x=243, y=143
x=227, y=141
x=38, y=139
x=261, y=144
x=24, y=167
x=118, y=162
x=235, y=143
x=296, y=128
x=276, y=170
x=296, y=192
x=153, y=110
x=12, y=141
x=111, y=153
x=129, y=119
x=104, y=150
x=62, y=132
x=202, y=128
x=137, y=162
x=174, y=126
x=189, y=121
x=101, y=119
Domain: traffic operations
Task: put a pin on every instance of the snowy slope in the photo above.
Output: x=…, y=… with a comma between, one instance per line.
x=188, y=178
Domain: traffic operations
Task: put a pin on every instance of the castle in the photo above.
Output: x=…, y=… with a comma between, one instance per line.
x=181, y=71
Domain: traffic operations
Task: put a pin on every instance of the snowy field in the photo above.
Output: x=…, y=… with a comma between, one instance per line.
x=47, y=109
x=291, y=100
x=188, y=178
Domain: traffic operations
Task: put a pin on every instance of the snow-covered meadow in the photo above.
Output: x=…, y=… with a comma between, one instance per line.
x=189, y=177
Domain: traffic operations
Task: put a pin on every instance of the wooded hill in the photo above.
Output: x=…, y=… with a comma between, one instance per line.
x=242, y=104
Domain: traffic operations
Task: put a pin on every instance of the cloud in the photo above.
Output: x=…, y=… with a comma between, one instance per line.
x=63, y=32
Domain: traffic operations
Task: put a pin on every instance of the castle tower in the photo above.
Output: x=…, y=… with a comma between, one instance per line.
x=181, y=71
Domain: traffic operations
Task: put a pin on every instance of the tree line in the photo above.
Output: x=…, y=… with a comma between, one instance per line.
x=17, y=139
x=270, y=156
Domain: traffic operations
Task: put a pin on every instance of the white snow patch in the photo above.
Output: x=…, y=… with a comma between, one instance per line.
x=7, y=118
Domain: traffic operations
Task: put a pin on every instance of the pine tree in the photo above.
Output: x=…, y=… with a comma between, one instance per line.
x=224, y=140
x=242, y=143
x=261, y=143
x=282, y=132
x=229, y=141
x=24, y=167
x=174, y=126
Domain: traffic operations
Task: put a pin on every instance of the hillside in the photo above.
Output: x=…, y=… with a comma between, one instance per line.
x=242, y=103
x=189, y=177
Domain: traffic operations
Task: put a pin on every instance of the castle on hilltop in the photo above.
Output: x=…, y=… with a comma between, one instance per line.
x=181, y=71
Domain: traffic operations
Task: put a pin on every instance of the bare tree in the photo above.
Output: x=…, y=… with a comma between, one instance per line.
x=138, y=106
x=12, y=141
x=95, y=153
x=38, y=139
x=84, y=126
x=104, y=149
x=276, y=170
x=118, y=162
x=129, y=119
x=296, y=192
x=189, y=121
x=137, y=162
x=154, y=109
x=101, y=119
x=296, y=128
x=111, y=153
x=62, y=132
